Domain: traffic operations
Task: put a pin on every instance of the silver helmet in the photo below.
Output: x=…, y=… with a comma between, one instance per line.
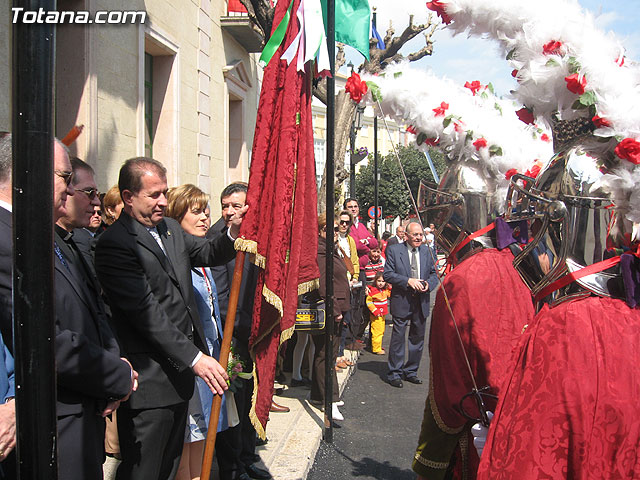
x=464, y=202
x=571, y=223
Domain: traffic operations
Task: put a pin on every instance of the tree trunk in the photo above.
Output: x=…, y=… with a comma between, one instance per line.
x=345, y=110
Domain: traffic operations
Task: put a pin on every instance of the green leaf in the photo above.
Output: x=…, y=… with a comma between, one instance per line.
x=588, y=98
x=447, y=121
x=469, y=135
x=495, y=150
x=551, y=63
x=574, y=65
x=577, y=105
x=497, y=107
x=490, y=88
x=397, y=74
x=375, y=91
x=484, y=95
x=420, y=139
x=511, y=54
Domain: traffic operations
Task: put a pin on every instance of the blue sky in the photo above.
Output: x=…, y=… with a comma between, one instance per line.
x=465, y=59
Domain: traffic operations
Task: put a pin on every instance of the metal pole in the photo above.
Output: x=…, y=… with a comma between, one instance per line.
x=352, y=170
x=375, y=157
x=331, y=114
x=33, y=136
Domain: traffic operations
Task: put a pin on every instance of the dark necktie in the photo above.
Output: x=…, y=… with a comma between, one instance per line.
x=414, y=264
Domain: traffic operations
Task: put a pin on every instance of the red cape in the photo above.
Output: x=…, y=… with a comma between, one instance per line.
x=491, y=305
x=570, y=406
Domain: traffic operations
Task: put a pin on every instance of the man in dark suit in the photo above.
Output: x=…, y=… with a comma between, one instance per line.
x=144, y=264
x=92, y=379
x=411, y=271
x=399, y=237
x=235, y=447
x=7, y=377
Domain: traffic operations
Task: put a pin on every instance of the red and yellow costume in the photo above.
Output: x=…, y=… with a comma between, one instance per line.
x=378, y=304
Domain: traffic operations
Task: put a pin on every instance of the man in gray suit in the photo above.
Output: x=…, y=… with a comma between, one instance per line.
x=410, y=269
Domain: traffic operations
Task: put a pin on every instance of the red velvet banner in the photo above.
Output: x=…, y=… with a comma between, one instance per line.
x=280, y=228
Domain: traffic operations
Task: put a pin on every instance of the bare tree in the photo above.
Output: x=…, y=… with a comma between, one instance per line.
x=261, y=14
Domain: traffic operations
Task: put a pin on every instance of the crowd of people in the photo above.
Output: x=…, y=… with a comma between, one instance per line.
x=142, y=282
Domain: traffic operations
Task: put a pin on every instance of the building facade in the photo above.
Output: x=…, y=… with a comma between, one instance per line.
x=181, y=87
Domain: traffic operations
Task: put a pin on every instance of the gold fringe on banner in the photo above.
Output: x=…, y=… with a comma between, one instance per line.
x=273, y=299
x=308, y=286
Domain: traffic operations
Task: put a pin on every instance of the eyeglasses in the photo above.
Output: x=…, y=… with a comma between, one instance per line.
x=344, y=222
x=91, y=192
x=416, y=235
x=67, y=176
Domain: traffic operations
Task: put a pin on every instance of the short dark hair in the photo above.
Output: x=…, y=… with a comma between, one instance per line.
x=386, y=235
x=132, y=170
x=5, y=156
x=77, y=164
x=234, y=187
x=350, y=199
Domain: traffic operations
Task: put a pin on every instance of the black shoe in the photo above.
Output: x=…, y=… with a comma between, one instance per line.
x=396, y=382
x=414, y=380
x=243, y=476
x=257, y=472
x=305, y=382
x=260, y=442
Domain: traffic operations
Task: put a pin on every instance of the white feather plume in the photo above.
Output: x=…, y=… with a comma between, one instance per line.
x=413, y=97
x=523, y=29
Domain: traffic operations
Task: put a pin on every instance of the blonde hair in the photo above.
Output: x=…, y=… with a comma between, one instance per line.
x=110, y=200
x=183, y=198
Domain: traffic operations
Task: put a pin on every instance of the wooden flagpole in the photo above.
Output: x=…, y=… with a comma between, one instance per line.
x=210, y=442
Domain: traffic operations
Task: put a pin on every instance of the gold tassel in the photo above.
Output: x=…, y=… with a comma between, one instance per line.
x=308, y=286
x=273, y=299
x=252, y=413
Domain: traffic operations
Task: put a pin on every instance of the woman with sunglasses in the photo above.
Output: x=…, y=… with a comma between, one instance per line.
x=347, y=250
x=341, y=305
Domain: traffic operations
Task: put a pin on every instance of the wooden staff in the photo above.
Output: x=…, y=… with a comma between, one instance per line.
x=210, y=441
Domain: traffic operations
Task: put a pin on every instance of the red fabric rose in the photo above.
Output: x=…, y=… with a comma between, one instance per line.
x=525, y=115
x=510, y=173
x=533, y=171
x=355, y=87
x=600, y=122
x=514, y=73
x=620, y=60
x=552, y=47
x=439, y=111
x=473, y=86
x=432, y=141
x=458, y=127
x=438, y=7
x=545, y=138
x=480, y=143
x=629, y=149
x=575, y=84
x=412, y=129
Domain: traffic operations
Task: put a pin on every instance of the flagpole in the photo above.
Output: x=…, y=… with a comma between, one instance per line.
x=212, y=431
x=375, y=154
x=328, y=339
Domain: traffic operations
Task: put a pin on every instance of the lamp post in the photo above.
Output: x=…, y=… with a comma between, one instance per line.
x=356, y=125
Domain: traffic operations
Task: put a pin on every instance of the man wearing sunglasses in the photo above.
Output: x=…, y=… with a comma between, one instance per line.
x=92, y=378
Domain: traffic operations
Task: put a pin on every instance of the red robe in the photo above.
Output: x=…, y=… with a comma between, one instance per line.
x=570, y=407
x=491, y=305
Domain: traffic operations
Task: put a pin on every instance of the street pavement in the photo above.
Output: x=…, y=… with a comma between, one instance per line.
x=380, y=431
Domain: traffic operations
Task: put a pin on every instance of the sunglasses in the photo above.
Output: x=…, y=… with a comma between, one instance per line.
x=67, y=176
x=98, y=212
x=344, y=222
x=90, y=192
